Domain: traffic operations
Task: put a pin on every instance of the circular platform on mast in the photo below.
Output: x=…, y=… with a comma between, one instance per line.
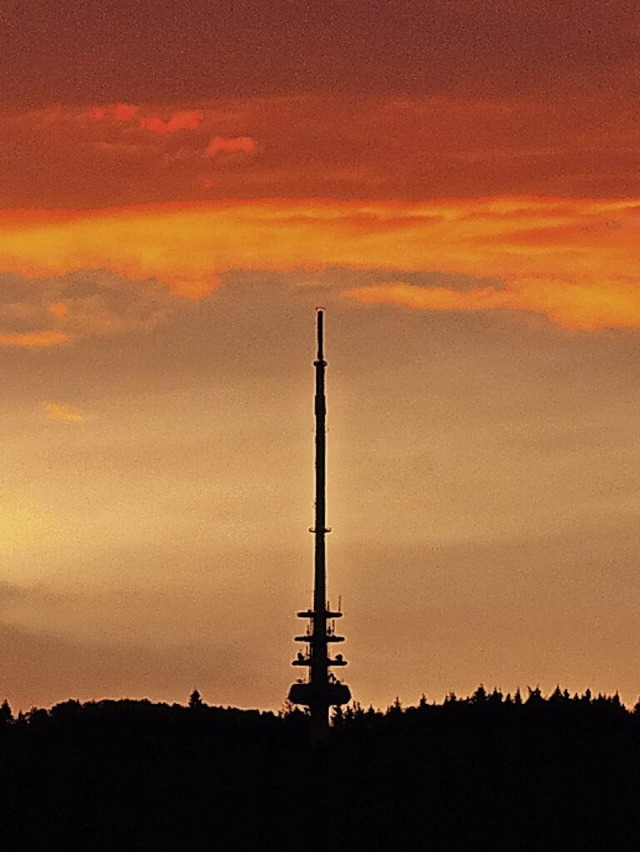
x=323, y=695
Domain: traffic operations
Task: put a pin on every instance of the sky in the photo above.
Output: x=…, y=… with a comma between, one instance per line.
x=181, y=185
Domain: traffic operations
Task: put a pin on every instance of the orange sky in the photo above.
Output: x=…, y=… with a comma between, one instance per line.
x=459, y=185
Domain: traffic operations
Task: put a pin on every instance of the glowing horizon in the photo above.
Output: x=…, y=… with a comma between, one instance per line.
x=458, y=185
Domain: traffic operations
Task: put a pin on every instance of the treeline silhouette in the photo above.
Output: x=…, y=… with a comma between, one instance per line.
x=486, y=772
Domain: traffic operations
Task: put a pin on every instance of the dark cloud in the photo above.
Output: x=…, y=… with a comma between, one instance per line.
x=83, y=304
x=117, y=50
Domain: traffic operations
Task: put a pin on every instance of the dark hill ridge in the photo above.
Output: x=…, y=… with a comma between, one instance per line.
x=487, y=772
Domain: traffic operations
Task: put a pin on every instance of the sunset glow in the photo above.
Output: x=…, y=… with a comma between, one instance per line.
x=458, y=185
x=572, y=261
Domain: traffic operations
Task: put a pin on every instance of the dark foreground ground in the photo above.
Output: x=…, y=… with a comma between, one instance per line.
x=484, y=773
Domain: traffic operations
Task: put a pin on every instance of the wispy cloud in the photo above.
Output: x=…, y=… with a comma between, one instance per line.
x=184, y=120
x=62, y=413
x=235, y=145
x=571, y=260
x=34, y=339
x=585, y=307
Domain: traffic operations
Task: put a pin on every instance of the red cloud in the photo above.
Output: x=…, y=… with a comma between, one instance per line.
x=98, y=113
x=186, y=120
x=121, y=112
x=223, y=145
x=124, y=112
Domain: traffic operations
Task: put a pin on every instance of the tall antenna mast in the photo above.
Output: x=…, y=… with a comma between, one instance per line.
x=321, y=690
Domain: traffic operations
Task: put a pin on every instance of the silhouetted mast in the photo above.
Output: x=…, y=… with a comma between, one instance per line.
x=322, y=690
x=320, y=529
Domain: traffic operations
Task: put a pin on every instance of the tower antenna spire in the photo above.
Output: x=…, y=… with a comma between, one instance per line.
x=321, y=690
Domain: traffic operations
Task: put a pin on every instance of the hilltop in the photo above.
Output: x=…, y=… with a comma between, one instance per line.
x=486, y=772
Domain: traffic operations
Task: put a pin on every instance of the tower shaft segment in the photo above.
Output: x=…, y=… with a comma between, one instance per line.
x=322, y=690
x=319, y=669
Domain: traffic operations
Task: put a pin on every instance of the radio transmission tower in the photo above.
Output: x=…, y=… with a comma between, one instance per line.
x=321, y=689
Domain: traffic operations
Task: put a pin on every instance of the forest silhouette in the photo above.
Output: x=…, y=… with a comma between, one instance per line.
x=487, y=772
